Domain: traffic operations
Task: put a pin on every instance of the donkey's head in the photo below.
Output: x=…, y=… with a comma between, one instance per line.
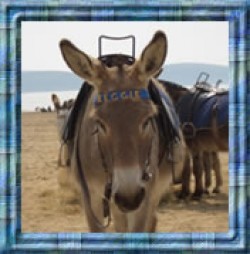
x=119, y=130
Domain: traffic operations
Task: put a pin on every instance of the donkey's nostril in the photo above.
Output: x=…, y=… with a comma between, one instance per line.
x=128, y=203
x=139, y=197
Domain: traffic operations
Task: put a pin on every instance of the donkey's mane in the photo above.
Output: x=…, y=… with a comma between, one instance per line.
x=78, y=107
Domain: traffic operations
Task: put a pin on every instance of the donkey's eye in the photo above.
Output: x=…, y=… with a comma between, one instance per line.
x=146, y=123
x=95, y=130
x=99, y=127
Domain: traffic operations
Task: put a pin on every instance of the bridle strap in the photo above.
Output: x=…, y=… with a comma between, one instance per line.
x=134, y=94
x=108, y=186
x=85, y=189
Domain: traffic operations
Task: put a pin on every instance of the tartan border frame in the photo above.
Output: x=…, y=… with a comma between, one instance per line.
x=12, y=15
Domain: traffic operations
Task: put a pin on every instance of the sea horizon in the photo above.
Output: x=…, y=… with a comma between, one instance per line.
x=33, y=100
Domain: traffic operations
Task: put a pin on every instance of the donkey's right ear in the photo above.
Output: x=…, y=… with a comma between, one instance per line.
x=153, y=56
x=79, y=62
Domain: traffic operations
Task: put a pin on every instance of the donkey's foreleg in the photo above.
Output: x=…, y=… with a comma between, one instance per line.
x=217, y=170
x=153, y=224
x=207, y=168
x=186, y=173
x=198, y=169
x=151, y=219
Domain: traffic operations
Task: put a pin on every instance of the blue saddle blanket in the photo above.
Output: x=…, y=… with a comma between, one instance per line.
x=197, y=108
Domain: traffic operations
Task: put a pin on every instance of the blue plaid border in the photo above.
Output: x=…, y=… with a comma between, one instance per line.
x=12, y=13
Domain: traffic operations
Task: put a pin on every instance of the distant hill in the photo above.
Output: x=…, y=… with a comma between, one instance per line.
x=187, y=74
x=49, y=81
x=184, y=74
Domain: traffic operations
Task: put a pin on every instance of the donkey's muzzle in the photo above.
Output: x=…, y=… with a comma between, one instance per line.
x=131, y=202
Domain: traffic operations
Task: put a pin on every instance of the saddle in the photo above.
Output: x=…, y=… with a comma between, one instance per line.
x=197, y=107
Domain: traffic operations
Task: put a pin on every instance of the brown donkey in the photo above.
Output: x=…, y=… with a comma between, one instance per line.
x=120, y=159
x=68, y=191
x=203, y=143
x=63, y=111
x=211, y=161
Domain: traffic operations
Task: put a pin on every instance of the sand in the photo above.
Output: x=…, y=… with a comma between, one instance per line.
x=43, y=209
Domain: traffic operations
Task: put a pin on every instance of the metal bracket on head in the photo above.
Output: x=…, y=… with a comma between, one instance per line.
x=107, y=195
x=132, y=37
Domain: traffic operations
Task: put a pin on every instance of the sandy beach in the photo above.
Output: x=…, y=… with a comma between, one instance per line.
x=42, y=210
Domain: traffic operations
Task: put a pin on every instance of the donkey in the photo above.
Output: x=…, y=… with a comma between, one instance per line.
x=61, y=108
x=203, y=143
x=63, y=111
x=122, y=158
x=68, y=191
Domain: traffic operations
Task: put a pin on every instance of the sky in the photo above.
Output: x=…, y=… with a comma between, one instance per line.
x=196, y=42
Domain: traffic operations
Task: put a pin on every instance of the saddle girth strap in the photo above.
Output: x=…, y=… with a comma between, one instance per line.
x=188, y=128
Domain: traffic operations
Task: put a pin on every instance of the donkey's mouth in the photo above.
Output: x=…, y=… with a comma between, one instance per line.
x=129, y=203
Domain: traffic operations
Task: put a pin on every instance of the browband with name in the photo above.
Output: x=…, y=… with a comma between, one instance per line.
x=121, y=95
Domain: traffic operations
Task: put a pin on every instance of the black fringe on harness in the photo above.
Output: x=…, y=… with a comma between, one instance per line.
x=80, y=104
x=168, y=120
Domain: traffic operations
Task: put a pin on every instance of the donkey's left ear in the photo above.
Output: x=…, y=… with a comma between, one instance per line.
x=80, y=63
x=153, y=56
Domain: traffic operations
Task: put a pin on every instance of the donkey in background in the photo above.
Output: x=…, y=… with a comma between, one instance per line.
x=68, y=191
x=203, y=143
x=63, y=111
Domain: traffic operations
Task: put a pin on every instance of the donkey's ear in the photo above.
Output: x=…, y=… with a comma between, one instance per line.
x=79, y=62
x=153, y=56
x=56, y=101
